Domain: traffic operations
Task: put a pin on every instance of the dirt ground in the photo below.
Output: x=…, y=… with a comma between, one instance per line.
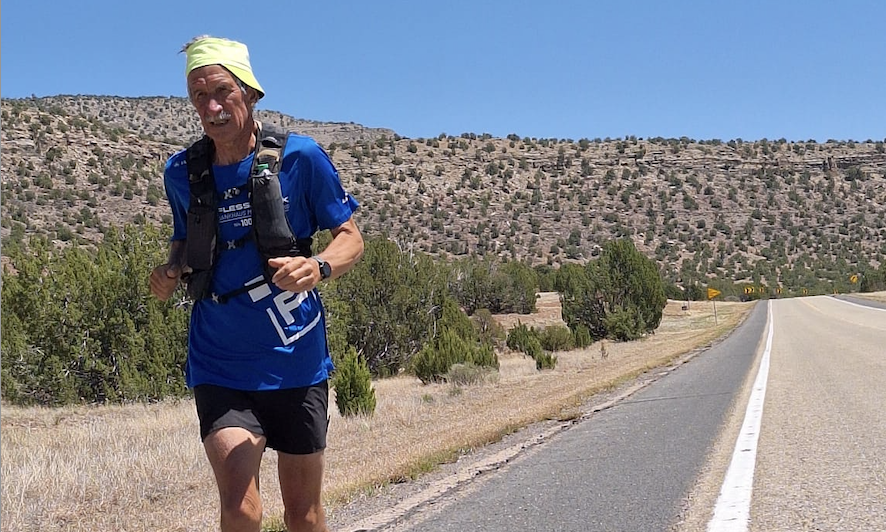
x=548, y=312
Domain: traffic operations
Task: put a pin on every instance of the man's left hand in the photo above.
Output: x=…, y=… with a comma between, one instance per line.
x=296, y=274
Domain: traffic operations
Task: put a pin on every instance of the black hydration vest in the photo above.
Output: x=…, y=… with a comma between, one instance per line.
x=270, y=230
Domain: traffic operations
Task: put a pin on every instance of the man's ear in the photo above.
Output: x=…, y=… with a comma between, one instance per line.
x=252, y=94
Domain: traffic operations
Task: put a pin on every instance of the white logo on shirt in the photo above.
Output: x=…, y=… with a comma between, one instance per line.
x=284, y=304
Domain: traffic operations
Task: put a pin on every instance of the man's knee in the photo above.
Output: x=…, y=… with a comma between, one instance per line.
x=301, y=481
x=305, y=518
x=240, y=512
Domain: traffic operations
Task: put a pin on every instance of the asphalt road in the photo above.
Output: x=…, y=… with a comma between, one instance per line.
x=821, y=462
x=816, y=382
x=627, y=468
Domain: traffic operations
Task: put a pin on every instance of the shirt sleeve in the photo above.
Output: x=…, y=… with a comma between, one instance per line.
x=327, y=199
x=175, y=181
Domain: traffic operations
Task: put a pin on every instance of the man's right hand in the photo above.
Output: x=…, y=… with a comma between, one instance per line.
x=164, y=280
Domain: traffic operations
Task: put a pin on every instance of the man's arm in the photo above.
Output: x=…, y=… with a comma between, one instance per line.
x=345, y=249
x=165, y=278
x=299, y=274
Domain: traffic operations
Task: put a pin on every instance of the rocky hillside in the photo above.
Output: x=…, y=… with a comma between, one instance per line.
x=769, y=210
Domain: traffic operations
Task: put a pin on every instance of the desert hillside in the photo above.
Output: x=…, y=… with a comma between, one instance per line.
x=773, y=211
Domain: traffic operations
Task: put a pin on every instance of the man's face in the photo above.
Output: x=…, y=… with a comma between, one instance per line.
x=224, y=109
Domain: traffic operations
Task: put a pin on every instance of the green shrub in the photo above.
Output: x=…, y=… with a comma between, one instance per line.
x=620, y=295
x=873, y=280
x=353, y=386
x=499, y=287
x=109, y=342
x=470, y=373
x=484, y=356
x=437, y=357
x=455, y=319
x=387, y=306
x=529, y=341
x=519, y=336
x=533, y=348
x=545, y=360
x=488, y=330
x=582, y=336
x=624, y=324
x=557, y=338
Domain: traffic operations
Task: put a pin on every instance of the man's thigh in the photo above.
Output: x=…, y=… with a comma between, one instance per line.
x=301, y=479
x=235, y=456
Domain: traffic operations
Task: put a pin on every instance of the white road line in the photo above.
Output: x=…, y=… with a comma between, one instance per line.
x=733, y=508
x=859, y=305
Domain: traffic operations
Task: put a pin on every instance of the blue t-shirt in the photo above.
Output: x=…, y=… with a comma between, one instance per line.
x=266, y=338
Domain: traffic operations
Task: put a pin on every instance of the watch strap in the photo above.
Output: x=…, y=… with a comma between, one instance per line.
x=325, y=268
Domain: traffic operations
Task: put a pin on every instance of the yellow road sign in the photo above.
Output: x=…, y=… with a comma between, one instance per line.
x=712, y=293
x=853, y=278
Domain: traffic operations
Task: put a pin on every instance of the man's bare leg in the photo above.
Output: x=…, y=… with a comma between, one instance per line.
x=301, y=483
x=235, y=455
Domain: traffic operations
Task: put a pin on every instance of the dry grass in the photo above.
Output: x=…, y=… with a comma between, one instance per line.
x=875, y=296
x=141, y=468
x=116, y=468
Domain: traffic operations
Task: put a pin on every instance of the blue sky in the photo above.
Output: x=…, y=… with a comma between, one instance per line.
x=573, y=69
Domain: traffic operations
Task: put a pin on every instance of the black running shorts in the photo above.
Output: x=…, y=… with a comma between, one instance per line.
x=293, y=420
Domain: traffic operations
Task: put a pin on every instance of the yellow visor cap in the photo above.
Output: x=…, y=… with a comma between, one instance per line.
x=230, y=54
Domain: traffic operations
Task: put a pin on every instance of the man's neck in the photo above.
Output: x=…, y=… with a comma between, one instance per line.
x=235, y=150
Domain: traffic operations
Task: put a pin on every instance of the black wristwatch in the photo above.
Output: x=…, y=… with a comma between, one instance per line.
x=325, y=268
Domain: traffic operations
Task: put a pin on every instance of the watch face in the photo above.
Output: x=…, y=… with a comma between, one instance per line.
x=325, y=268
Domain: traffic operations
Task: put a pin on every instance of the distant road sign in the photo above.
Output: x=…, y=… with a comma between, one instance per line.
x=853, y=278
x=712, y=293
x=749, y=290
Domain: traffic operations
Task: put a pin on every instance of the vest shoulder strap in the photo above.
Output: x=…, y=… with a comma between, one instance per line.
x=269, y=149
x=199, y=159
x=202, y=221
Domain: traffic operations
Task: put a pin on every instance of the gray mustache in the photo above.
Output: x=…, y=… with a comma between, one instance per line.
x=219, y=117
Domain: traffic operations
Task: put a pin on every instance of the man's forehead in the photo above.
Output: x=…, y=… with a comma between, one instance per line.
x=210, y=74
